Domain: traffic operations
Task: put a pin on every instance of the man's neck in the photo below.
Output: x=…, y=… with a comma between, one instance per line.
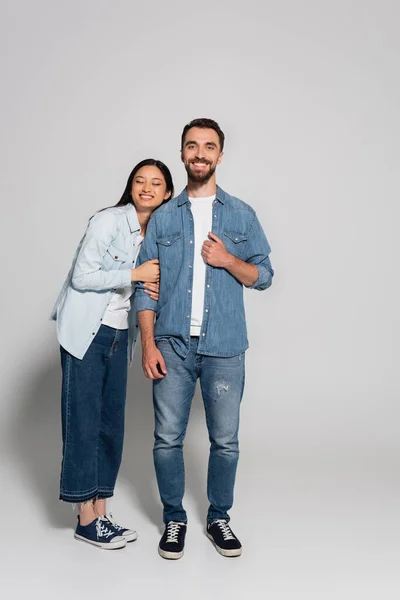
x=202, y=190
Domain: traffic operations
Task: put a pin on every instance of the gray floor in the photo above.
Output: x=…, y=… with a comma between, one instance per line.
x=312, y=526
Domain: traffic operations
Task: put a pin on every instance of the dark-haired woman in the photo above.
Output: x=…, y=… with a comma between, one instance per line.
x=96, y=329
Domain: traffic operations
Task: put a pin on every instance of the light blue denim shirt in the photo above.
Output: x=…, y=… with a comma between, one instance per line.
x=102, y=263
x=170, y=238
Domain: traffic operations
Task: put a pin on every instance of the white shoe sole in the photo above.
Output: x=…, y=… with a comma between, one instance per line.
x=131, y=537
x=107, y=546
x=170, y=555
x=228, y=553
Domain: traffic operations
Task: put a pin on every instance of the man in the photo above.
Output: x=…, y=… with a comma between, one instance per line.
x=209, y=245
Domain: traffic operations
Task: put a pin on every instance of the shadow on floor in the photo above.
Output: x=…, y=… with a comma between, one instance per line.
x=33, y=443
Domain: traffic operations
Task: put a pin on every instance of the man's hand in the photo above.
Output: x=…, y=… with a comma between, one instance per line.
x=153, y=361
x=215, y=254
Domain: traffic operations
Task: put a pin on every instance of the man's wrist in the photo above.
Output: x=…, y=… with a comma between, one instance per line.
x=148, y=342
x=230, y=261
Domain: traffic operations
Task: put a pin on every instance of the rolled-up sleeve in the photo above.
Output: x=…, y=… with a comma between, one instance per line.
x=89, y=273
x=257, y=253
x=148, y=251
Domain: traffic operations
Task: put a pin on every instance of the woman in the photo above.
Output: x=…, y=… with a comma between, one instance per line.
x=97, y=330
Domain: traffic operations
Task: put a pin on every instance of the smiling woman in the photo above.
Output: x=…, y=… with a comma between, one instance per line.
x=96, y=329
x=149, y=185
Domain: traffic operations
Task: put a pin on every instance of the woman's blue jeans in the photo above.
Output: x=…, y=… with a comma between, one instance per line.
x=93, y=414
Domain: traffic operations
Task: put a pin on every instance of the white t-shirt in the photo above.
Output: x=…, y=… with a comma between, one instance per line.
x=202, y=218
x=116, y=314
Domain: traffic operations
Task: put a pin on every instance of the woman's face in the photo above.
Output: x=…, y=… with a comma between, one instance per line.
x=149, y=189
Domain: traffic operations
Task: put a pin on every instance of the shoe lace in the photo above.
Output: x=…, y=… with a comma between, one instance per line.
x=173, y=529
x=110, y=519
x=102, y=529
x=227, y=533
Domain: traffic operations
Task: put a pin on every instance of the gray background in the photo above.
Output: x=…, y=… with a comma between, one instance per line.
x=308, y=95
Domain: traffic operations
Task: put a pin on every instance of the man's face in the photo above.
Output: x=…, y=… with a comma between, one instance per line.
x=201, y=154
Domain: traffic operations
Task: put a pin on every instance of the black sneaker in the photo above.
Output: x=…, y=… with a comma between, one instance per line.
x=223, y=538
x=173, y=540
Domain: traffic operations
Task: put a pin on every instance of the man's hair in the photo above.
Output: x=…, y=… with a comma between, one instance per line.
x=204, y=124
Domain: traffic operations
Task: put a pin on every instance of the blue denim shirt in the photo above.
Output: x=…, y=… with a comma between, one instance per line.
x=170, y=238
x=102, y=263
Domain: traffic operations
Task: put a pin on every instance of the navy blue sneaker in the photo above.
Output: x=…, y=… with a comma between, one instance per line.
x=223, y=538
x=129, y=534
x=100, y=533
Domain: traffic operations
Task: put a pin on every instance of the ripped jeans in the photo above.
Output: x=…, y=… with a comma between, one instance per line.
x=222, y=383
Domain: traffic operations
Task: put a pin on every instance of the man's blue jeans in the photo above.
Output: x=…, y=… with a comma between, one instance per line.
x=222, y=383
x=93, y=413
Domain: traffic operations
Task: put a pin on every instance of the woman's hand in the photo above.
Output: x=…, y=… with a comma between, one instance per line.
x=152, y=289
x=147, y=272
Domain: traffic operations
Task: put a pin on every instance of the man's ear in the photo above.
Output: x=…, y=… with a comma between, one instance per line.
x=219, y=161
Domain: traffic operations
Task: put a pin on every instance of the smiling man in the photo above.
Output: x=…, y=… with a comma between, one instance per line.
x=209, y=245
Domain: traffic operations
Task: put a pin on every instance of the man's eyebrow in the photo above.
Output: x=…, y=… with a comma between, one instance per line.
x=206, y=143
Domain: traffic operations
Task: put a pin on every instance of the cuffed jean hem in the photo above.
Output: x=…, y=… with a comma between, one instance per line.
x=177, y=517
x=79, y=498
x=215, y=517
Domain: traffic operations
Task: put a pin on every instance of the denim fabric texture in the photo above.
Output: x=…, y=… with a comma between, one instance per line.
x=93, y=414
x=222, y=383
x=102, y=263
x=170, y=238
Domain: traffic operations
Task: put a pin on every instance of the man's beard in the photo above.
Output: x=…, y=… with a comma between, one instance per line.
x=199, y=177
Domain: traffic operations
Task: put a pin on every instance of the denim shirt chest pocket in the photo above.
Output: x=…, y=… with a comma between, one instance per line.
x=115, y=258
x=235, y=242
x=169, y=248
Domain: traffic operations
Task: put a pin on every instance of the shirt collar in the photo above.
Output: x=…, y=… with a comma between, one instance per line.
x=183, y=196
x=132, y=218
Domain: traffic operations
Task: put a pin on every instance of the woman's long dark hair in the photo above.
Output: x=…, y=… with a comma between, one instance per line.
x=126, y=197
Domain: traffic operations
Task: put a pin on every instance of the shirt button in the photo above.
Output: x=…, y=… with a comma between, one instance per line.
x=188, y=316
x=190, y=291
x=191, y=241
x=190, y=266
x=168, y=242
x=215, y=216
x=206, y=309
x=236, y=239
x=187, y=339
x=208, y=285
x=204, y=334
